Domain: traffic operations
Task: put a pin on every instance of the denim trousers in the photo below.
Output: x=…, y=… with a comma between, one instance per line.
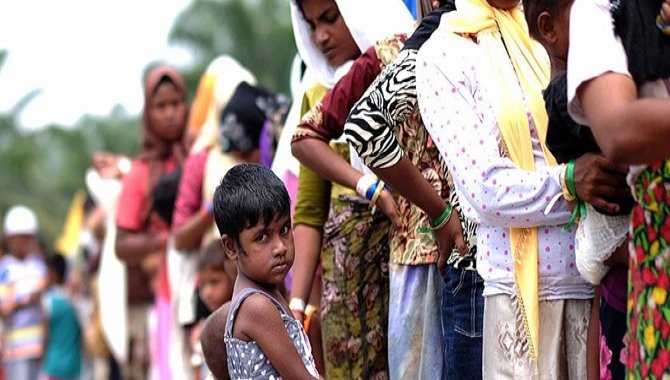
x=462, y=321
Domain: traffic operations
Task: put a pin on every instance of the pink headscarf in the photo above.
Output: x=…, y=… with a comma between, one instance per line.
x=154, y=149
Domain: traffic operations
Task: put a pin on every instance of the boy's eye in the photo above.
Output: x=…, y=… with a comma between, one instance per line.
x=262, y=237
x=284, y=230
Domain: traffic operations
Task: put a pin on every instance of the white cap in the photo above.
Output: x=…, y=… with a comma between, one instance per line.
x=20, y=220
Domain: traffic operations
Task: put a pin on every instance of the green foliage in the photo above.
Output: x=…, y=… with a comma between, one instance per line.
x=257, y=33
x=44, y=168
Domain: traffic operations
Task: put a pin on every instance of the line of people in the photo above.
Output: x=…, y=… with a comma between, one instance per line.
x=444, y=198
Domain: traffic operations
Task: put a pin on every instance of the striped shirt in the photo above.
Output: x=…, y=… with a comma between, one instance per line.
x=23, y=329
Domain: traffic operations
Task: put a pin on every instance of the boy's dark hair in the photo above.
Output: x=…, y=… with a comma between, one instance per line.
x=165, y=195
x=212, y=257
x=247, y=195
x=58, y=265
x=533, y=8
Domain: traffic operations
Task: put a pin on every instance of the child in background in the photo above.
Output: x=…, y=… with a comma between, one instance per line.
x=63, y=355
x=252, y=213
x=22, y=281
x=217, y=277
x=601, y=252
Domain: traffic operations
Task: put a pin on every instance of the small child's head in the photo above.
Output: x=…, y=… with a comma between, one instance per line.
x=57, y=269
x=217, y=276
x=549, y=23
x=20, y=230
x=252, y=213
x=165, y=195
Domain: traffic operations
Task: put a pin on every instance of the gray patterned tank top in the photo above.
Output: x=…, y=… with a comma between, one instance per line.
x=246, y=360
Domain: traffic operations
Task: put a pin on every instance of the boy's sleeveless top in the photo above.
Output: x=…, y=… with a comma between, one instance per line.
x=246, y=360
x=63, y=350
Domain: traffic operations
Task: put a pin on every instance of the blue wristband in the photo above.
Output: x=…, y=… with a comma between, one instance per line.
x=371, y=191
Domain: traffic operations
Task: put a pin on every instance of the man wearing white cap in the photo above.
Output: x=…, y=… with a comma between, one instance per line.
x=22, y=280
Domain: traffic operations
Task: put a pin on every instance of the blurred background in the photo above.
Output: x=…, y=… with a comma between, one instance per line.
x=71, y=80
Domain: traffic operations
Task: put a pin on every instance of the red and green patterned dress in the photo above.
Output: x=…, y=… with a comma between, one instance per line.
x=648, y=338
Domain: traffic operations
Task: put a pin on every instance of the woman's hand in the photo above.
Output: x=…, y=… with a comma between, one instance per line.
x=387, y=205
x=110, y=165
x=599, y=180
x=448, y=237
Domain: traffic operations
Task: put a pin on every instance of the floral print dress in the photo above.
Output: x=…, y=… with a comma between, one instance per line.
x=648, y=341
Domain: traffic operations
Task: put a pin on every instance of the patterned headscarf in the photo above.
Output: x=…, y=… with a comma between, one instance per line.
x=244, y=117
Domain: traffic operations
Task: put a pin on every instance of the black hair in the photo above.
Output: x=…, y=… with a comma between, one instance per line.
x=164, y=79
x=646, y=47
x=58, y=265
x=533, y=8
x=165, y=195
x=298, y=3
x=213, y=257
x=247, y=195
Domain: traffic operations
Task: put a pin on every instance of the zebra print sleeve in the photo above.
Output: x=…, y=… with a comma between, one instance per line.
x=389, y=101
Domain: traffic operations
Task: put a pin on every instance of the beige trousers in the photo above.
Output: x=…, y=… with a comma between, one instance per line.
x=562, y=348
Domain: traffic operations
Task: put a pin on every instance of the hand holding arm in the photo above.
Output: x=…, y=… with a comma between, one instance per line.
x=598, y=181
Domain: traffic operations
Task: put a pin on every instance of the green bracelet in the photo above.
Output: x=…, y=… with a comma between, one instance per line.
x=570, y=178
x=442, y=219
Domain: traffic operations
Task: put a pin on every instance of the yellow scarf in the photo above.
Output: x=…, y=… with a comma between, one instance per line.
x=488, y=24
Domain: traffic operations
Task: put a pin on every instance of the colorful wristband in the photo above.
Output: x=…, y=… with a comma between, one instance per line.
x=570, y=179
x=378, y=192
x=564, y=186
x=297, y=304
x=365, y=183
x=442, y=219
x=310, y=310
x=665, y=28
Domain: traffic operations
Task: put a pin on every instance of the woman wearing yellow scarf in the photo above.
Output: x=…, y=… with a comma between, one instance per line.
x=479, y=82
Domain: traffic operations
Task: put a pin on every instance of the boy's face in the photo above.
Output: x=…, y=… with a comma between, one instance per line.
x=216, y=287
x=20, y=245
x=563, y=32
x=554, y=32
x=265, y=253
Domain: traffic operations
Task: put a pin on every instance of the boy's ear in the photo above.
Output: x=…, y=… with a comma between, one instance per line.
x=547, y=28
x=229, y=247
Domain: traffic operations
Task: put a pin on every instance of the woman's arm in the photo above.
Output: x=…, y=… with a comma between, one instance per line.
x=629, y=130
x=390, y=101
x=307, y=253
x=188, y=235
x=132, y=247
x=311, y=212
x=189, y=223
x=464, y=129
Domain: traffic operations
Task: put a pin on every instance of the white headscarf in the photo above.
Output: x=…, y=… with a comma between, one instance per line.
x=368, y=21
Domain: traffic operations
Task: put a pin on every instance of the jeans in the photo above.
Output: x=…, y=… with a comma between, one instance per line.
x=462, y=321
